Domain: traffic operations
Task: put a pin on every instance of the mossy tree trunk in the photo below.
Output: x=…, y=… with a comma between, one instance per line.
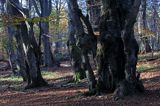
x=75, y=52
x=118, y=49
x=86, y=42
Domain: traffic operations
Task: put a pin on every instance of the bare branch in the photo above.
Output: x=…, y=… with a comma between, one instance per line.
x=37, y=10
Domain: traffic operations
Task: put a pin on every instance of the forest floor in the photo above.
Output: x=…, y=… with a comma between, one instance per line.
x=61, y=92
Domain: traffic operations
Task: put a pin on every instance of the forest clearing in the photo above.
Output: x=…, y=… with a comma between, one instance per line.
x=79, y=52
x=62, y=92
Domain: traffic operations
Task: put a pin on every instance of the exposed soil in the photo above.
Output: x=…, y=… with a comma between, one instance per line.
x=62, y=93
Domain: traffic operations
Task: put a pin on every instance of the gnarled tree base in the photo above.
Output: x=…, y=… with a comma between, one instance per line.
x=126, y=89
x=37, y=84
x=118, y=49
x=122, y=89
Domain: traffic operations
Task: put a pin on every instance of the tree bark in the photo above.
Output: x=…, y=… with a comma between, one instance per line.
x=11, y=51
x=10, y=48
x=79, y=72
x=45, y=13
x=145, y=39
x=83, y=41
x=27, y=44
x=118, y=49
x=48, y=56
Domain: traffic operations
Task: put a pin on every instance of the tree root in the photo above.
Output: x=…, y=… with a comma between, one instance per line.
x=126, y=89
x=90, y=93
x=36, y=85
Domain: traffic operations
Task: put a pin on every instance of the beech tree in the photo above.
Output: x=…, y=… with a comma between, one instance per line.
x=9, y=45
x=44, y=12
x=28, y=49
x=117, y=47
x=82, y=43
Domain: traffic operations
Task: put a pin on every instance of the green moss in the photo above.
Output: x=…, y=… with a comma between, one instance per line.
x=11, y=82
x=144, y=57
x=142, y=68
x=49, y=75
x=11, y=79
x=79, y=75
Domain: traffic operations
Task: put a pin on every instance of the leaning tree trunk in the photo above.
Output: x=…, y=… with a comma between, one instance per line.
x=17, y=58
x=118, y=49
x=20, y=60
x=27, y=44
x=84, y=41
x=10, y=47
x=11, y=51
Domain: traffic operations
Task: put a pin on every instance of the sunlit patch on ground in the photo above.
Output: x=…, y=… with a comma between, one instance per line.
x=65, y=65
x=65, y=93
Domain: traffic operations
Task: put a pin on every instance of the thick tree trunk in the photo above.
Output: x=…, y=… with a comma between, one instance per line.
x=118, y=49
x=11, y=51
x=83, y=41
x=20, y=60
x=27, y=44
x=75, y=52
x=10, y=48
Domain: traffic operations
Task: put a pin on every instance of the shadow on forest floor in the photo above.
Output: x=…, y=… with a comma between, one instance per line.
x=152, y=69
x=64, y=92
